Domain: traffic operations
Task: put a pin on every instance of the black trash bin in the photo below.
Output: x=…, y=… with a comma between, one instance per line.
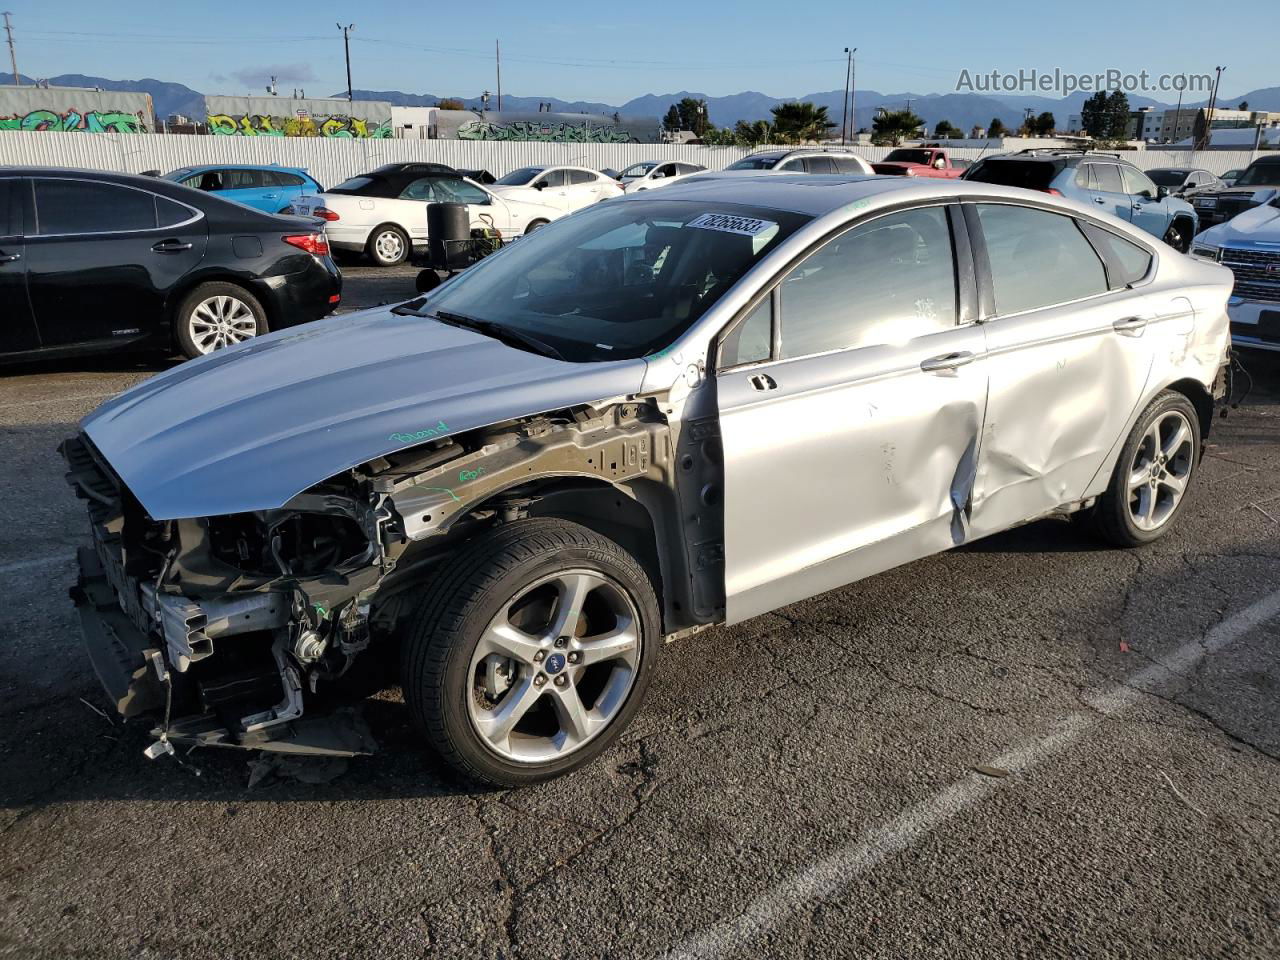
x=448, y=235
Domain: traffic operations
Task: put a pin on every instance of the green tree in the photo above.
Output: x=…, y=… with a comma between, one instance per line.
x=671, y=122
x=719, y=137
x=799, y=122
x=996, y=128
x=450, y=103
x=893, y=126
x=1244, y=105
x=1094, y=116
x=1044, y=124
x=944, y=130
x=693, y=115
x=753, y=134
x=1118, y=115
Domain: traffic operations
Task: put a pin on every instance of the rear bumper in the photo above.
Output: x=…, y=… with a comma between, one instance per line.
x=307, y=295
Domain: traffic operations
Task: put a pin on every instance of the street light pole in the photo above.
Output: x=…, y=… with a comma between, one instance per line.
x=13, y=56
x=844, y=109
x=497, y=51
x=853, y=94
x=346, y=48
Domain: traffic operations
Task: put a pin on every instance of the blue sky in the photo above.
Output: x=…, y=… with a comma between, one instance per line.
x=612, y=52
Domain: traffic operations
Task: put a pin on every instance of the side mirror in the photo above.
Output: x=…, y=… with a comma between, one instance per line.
x=540, y=185
x=1162, y=192
x=658, y=175
x=939, y=164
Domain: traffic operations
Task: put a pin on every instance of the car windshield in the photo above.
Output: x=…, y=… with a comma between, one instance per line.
x=1168, y=178
x=755, y=163
x=636, y=170
x=1029, y=174
x=615, y=281
x=518, y=178
x=354, y=185
x=909, y=156
x=1260, y=175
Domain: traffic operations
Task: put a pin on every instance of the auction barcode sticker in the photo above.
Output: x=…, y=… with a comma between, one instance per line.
x=728, y=223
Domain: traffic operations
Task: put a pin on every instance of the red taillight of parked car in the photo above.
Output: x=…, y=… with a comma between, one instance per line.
x=314, y=243
x=1052, y=192
x=324, y=213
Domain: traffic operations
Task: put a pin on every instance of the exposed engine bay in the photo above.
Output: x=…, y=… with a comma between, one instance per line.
x=234, y=630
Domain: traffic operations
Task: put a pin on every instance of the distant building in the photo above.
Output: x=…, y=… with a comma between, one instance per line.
x=75, y=110
x=432, y=123
x=329, y=117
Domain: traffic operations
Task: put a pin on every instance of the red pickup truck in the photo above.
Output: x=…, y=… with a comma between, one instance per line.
x=920, y=162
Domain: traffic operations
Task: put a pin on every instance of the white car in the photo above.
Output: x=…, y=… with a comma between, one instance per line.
x=384, y=213
x=650, y=174
x=804, y=160
x=565, y=188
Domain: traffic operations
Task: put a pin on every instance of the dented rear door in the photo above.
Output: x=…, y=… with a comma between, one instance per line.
x=1069, y=360
x=850, y=446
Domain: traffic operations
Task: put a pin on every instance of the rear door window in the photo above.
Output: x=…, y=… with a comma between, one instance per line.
x=169, y=213
x=819, y=165
x=83, y=206
x=1106, y=178
x=243, y=179
x=578, y=177
x=1038, y=258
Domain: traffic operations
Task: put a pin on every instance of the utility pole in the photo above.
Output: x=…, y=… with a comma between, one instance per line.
x=1177, y=118
x=346, y=47
x=844, y=112
x=497, y=51
x=853, y=94
x=13, y=57
x=1213, y=104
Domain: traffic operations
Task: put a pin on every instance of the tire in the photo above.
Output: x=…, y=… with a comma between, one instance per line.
x=388, y=246
x=459, y=689
x=534, y=225
x=1129, y=513
x=1178, y=235
x=216, y=315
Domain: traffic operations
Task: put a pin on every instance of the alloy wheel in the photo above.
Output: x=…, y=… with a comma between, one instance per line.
x=221, y=321
x=1160, y=470
x=554, y=667
x=389, y=247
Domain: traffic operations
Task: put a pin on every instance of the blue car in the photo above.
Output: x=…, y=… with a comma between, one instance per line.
x=1100, y=180
x=268, y=188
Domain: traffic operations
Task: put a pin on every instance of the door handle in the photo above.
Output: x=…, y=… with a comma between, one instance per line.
x=170, y=246
x=10, y=258
x=271, y=196
x=946, y=361
x=1130, y=326
x=762, y=381
x=1099, y=200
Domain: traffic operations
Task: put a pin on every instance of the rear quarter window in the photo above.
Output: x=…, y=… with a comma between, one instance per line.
x=1029, y=174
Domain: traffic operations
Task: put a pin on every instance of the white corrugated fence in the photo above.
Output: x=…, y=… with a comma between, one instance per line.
x=331, y=161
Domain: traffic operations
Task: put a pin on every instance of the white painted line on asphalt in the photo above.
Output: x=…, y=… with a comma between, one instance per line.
x=837, y=870
x=36, y=403
x=33, y=564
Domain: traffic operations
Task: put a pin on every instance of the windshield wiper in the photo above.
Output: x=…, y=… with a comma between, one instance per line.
x=496, y=330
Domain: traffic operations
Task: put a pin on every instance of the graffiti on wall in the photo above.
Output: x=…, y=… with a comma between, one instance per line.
x=72, y=121
x=334, y=127
x=555, y=132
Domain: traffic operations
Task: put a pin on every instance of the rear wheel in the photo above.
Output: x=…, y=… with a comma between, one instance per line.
x=1152, y=475
x=531, y=652
x=388, y=246
x=217, y=315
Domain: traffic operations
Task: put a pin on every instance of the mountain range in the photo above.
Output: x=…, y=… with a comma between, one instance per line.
x=964, y=110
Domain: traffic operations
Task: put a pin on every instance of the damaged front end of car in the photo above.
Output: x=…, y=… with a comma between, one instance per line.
x=232, y=630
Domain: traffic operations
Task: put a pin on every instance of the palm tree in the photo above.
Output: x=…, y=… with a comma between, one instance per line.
x=799, y=122
x=894, y=125
x=753, y=134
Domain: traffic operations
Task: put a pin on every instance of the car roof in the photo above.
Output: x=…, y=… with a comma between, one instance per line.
x=242, y=166
x=819, y=194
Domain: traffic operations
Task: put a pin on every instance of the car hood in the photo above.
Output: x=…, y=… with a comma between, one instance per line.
x=249, y=427
x=1256, y=225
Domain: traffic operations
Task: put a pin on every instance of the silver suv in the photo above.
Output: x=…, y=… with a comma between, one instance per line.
x=804, y=160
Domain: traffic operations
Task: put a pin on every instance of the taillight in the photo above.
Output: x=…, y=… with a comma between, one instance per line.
x=315, y=244
x=324, y=213
x=1052, y=192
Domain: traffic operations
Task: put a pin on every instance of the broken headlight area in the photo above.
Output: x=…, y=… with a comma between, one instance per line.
x=224, y=627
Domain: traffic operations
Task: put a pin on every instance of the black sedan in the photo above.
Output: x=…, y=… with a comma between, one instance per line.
x=96, y=261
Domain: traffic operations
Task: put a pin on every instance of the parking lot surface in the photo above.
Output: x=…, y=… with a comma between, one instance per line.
x=1031, y=746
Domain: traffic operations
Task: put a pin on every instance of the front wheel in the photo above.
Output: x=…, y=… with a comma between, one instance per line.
x=531, y=651
x=1152, y=475
x=388, y=246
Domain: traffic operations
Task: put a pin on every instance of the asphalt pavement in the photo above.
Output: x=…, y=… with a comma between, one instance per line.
x=1031, y=746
